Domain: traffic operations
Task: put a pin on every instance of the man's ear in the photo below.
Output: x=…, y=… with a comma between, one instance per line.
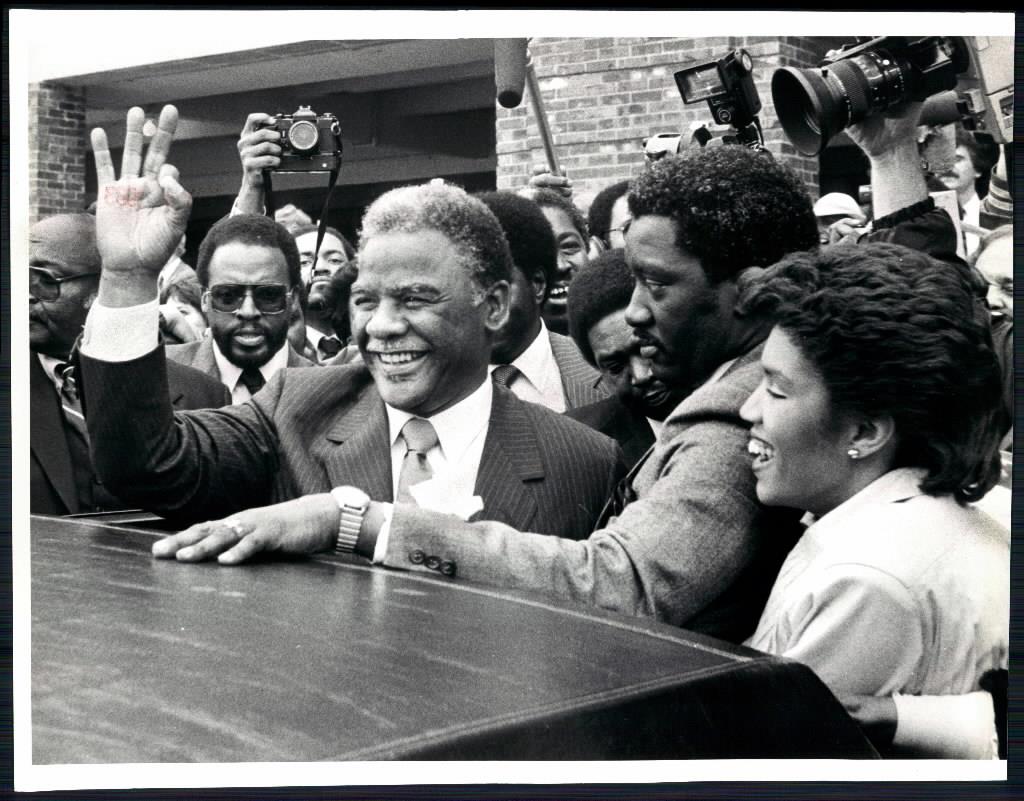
x=540, y=287
x=872, y=435
x=496, y=299
x=204, y=302
x=87, y=303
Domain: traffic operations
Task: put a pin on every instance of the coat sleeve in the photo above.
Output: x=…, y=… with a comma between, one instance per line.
x=189, y=466
x=669, y=555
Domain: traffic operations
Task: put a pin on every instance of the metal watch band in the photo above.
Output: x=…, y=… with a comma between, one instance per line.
x=352, y=515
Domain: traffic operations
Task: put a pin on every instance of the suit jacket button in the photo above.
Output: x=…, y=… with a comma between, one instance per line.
x=417, y=557
x=447, y=568
x=433, y=562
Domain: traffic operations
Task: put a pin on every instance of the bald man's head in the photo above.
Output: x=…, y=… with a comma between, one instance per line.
x=64, y=265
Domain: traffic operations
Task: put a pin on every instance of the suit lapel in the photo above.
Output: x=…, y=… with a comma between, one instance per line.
x=48, y=440
x=204, y=360
x=511, y=457
x=580, y=381
x=362, y=457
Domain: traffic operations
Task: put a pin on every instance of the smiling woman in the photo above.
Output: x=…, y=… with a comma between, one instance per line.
x=879, y=414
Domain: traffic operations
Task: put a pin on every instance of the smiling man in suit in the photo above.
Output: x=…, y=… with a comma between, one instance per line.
x=64, y=268
x=249, y=268
x=418, y=422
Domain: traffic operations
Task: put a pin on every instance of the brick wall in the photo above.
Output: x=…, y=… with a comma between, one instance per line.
x=604, y=96
x=57, y=147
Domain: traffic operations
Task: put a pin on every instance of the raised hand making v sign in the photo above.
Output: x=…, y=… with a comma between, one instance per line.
x=139, y=217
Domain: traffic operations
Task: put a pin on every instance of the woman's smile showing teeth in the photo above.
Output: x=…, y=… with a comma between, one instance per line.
x=761, y=451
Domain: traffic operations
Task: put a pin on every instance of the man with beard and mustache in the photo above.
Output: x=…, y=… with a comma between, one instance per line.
x=598, y=299
x=64, y=269
x=248, y=266
x=323, y=339
x=536, y=364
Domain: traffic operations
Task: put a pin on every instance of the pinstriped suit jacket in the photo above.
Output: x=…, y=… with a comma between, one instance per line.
x=311, y=429
x=199, y=355
x=695, y=549
x=580, y=381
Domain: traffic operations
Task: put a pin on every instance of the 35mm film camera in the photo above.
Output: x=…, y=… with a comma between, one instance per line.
x=310, y=142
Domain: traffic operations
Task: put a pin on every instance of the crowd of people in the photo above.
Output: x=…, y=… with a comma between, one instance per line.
x=711, y=401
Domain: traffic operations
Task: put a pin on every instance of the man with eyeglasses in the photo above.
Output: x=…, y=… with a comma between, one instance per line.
x=64, y=270
x=325, y=305
x=249, y=268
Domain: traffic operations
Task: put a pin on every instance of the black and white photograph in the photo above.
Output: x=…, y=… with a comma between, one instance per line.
x=421, y=397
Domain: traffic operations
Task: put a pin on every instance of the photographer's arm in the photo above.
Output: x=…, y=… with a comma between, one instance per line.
x=890, y=142
x=258, y=150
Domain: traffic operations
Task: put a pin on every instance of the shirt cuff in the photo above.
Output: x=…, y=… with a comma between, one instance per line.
x=947, y=726
x=380, y=549
x=121, y=334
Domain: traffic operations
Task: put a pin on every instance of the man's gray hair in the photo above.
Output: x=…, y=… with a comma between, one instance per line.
x=449, y=210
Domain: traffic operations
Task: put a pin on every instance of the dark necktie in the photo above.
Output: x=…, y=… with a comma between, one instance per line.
x=328, y=347
x=504, y=374
x=252, y=379
x=420, y=437
x=71, y=405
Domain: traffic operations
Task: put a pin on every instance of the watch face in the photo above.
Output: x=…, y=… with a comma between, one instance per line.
x=350, y=496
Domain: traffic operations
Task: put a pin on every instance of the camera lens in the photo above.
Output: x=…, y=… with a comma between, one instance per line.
x=303, y=136
x=814, y=105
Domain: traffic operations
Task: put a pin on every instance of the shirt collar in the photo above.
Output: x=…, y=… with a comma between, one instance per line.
x=313, y=336
x=456, y=427
x=893, y=487
x=537, y=361
x=230, y=372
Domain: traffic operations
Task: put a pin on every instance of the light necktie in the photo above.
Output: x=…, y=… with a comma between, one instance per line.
x=504, y=374
x=420, y=437
x=252, y=379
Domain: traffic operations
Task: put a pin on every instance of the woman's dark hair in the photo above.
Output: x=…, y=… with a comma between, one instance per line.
x=894, y=332
x=733, y=207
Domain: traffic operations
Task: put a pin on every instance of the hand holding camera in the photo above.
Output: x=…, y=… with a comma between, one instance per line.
x=259, y=148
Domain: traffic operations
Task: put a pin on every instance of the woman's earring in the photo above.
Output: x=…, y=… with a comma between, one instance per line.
x=853, y=453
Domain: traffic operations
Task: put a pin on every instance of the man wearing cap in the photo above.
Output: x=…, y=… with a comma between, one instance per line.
x=832, y=208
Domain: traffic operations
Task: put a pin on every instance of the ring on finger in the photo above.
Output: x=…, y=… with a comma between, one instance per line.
x=236, y=526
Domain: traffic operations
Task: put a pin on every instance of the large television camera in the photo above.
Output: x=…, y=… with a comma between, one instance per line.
x=869, y=77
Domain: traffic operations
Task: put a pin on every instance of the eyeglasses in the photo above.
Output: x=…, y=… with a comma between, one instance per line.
x=44, y=285
x=268, y=298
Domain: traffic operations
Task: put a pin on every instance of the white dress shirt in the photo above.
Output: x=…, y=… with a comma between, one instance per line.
x=455, y=460
x=540, y=380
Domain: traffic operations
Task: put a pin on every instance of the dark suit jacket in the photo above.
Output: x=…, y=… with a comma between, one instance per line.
x=52, y=482
x=616, y=420
x=581, y=382
x=313, y=429
x=199, y=355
